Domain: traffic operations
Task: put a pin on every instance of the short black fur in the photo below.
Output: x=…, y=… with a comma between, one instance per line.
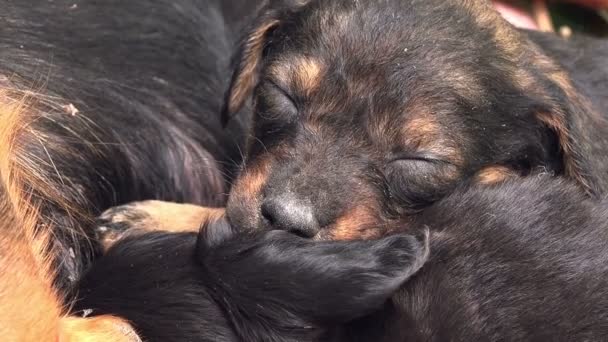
x=253, y=287
x=128, y=106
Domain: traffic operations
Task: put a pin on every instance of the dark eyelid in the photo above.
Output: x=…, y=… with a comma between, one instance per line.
x=281, y=89
x=417, y=156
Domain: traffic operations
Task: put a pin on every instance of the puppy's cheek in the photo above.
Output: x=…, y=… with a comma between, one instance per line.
x=243, y=208
x=360, y=223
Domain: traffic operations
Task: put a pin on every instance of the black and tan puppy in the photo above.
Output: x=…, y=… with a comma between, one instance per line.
x=267, y=286
x=365, y=111
x=525, y=260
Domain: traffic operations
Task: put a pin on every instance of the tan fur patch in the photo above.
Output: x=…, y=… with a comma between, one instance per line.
x=95, y=329
x=246, y=193
x=308, y=74
x=149, y=216
x=304, y=73
x=252, y=181
x=359, y=223
x=176, y=218
x=425, y=133
x=31, y=308
x=494, y=174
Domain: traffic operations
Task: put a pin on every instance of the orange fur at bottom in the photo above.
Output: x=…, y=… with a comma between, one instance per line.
x=31, y=308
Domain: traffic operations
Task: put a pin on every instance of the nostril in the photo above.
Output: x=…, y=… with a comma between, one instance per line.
x=304, y=233
x=289, y=214
x=267, y=213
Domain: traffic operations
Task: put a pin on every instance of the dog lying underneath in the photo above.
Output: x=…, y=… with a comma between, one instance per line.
x=224, y=286
x=525, y=260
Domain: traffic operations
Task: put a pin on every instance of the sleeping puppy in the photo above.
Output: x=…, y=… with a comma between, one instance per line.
x=366, y=111
x=269, y=286
x=524, y=260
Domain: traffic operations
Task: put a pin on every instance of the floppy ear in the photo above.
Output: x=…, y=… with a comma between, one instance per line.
x=290, y=282
x=248, y=60
x=581, y=132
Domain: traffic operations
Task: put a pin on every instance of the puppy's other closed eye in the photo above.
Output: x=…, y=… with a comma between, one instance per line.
x=275, y=103
x=416, y=180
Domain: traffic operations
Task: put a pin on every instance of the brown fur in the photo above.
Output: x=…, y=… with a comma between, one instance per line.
x=250, y=184
x=302, y=73
x=413, y=99
x=357, y=223
x=426, y=133
x=248, y=78
x=494, y=174
x=149, y=216
x=32, y=308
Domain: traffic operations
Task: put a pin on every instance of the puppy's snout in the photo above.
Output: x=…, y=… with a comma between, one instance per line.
x=287, y=212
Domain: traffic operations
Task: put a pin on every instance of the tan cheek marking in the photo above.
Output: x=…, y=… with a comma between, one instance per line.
x=359, y=223
x=252, y=181
x=247, y=191
x=494, y=174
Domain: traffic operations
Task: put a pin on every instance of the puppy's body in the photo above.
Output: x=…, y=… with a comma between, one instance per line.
x=252, y=287
x=524, y=261
x=123, y=105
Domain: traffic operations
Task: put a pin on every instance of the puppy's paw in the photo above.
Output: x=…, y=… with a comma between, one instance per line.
x=115, y=222
x=149, y=216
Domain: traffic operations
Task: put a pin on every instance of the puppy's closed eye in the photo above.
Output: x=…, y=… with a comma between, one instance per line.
x=275, y=103
x=416, y=181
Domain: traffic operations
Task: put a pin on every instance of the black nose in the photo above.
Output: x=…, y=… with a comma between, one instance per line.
x=290, y=214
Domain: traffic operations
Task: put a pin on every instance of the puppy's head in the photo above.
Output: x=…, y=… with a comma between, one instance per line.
x=365, y=111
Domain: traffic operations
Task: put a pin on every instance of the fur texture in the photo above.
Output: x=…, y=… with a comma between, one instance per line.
x=245, y=287
x=523, y=260
x=127, y=108
x=366, y=111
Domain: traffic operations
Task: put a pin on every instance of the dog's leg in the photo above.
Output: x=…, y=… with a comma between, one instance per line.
x=148, y=216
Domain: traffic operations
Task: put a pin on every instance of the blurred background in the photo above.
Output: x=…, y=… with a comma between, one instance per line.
x=562, y=16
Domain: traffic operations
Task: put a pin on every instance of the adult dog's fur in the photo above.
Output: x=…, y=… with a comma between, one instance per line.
x=366, y=111
x=269, y=286
x=524, y=260
x=124, y=106
x=33, y=309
